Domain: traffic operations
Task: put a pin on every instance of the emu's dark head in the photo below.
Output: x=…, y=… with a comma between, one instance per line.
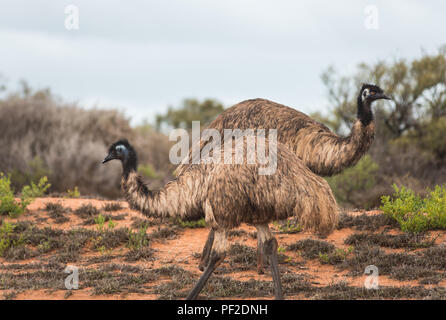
x=371, y=92
x=121, y=150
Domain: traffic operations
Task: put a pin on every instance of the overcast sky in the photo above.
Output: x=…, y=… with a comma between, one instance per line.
x=140, y=56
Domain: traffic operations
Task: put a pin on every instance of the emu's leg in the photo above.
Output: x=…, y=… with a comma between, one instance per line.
x=260, y=258
x=217, y=255
x=270, y=251
x=204, y=261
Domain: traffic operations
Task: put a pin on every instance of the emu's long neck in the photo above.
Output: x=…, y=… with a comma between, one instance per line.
x=327, y=154
x=349, y=150
x=139, y=196
x=365, y=114
x=174, y=200
x=129, y=165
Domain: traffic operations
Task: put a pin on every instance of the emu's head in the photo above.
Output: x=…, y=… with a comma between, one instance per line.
x=371, y=92
x=121, y=150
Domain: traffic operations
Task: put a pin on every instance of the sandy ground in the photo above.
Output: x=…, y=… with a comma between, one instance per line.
x=183, y=251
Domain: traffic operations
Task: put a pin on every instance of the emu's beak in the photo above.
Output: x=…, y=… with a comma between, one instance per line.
x=383, y=96
x=108, y=158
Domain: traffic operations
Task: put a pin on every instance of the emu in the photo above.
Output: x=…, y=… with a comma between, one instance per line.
x=230, y=194
x=322, y=151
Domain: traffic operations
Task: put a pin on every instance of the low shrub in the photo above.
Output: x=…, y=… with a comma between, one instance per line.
x=73, y=193
x=414, y=213
x=6, y=230
x=9, y=204
x=288, y=226
x=201, y=223
x=138, y=240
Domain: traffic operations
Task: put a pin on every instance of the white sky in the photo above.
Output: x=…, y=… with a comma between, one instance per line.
x=142, y=56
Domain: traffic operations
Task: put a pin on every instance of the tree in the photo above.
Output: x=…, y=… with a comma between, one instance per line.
x=418, y=88
x=409, y=146
x=191, y=110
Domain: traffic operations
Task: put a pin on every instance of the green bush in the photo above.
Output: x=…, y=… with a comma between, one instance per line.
x=201, y=223
x=147, y=171
x=416, y=214
x=33, y=190
x=288, y=226
x=9, y=204
x=350, y=185
x=7, y=240
x=6, y=230
x=139, y=239
x=73, y=193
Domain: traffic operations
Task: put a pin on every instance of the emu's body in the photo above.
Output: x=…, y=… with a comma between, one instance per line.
x=230, y=194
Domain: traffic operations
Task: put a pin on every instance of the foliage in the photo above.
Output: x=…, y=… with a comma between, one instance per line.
x=414, y=213
x=100, y=242
x=73, y=193
x=100, y=223
x=357, y=179
x=417, y=88
x=7, y=239
x=201, y=223
x=33, y=190
x=9, y=204
x=191, y=110
x=139, y=239
x=288, y=226
x=147, y=171
x=336, y=256
x=6, y=230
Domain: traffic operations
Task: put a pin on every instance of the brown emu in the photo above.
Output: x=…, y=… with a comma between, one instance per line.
x=230, y=194
x=321, y=150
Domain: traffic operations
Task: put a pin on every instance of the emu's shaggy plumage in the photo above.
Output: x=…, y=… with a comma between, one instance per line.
x=322, y=151
x=230, y=194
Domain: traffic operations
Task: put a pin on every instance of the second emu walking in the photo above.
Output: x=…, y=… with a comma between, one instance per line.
x=230, y=194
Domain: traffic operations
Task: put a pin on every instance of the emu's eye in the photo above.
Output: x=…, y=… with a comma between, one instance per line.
x=372, y=93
